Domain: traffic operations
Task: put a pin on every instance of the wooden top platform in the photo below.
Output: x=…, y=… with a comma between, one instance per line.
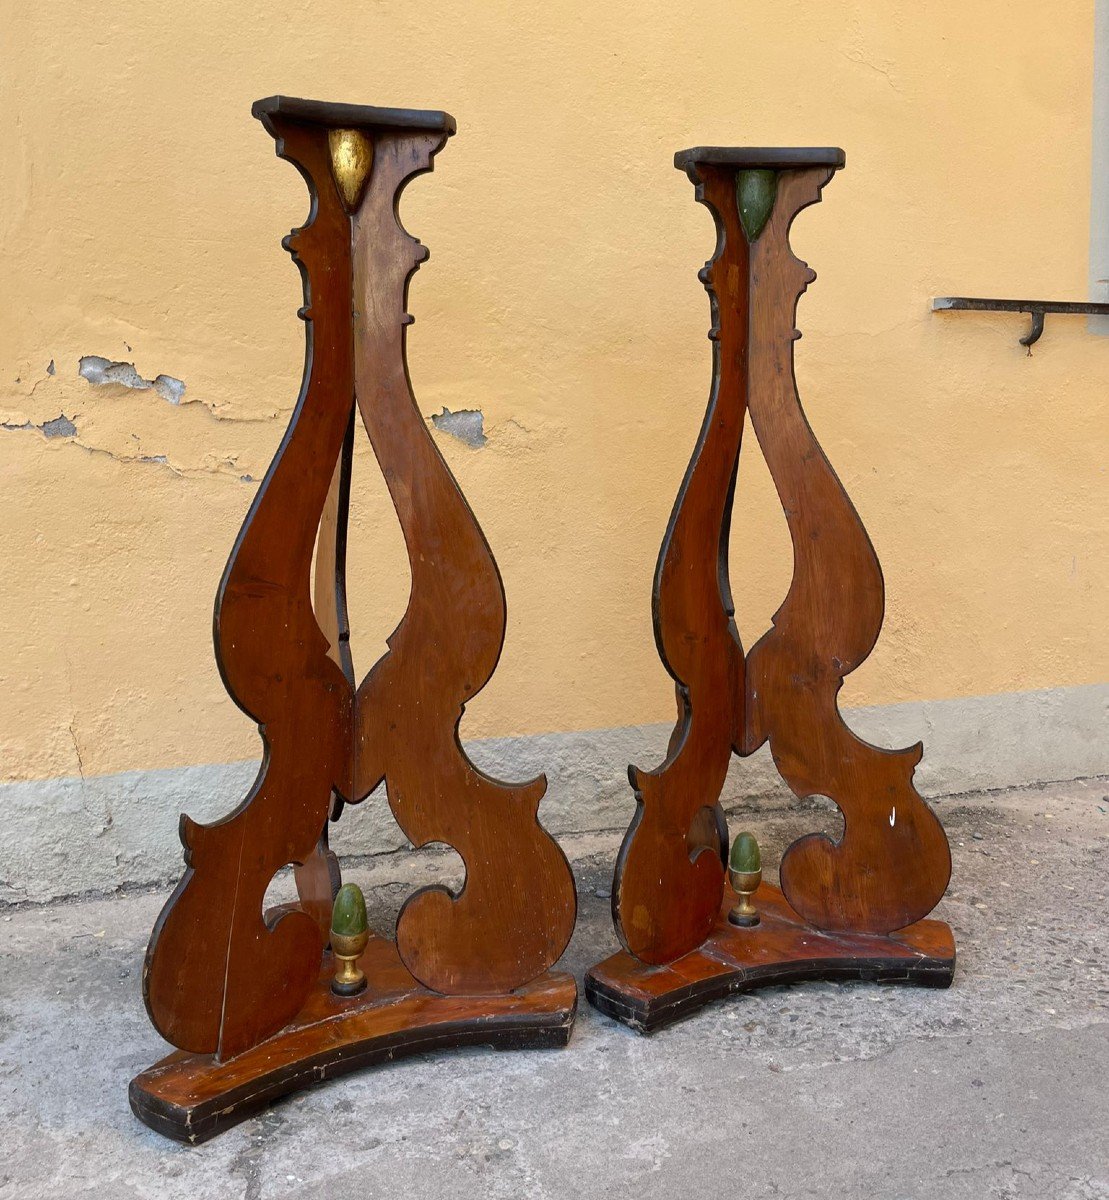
x=352, y=116
x=748, y=157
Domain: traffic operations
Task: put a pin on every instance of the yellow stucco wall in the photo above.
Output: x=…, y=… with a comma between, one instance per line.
x=140, y=214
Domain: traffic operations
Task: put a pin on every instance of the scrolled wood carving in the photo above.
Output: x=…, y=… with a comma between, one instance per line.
x=670, y=874
x=892, y=863
x=516, y=910
x=221, y=975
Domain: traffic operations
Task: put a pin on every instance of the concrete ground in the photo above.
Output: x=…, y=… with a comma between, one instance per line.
x=998, y=1087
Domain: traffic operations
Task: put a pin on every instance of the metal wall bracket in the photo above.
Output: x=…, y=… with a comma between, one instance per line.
x=1037, y=309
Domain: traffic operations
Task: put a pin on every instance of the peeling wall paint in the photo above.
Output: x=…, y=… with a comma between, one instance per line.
x=561, y=303
x=59, y=426
x=99, y=371
x=468, y=425
x=127, y=429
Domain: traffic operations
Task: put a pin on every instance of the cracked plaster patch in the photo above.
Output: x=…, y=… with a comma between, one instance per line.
x=468, y=425
x=100, y=371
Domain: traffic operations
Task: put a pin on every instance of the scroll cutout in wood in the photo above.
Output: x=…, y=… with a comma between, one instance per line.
x=892, y=864
x=244, y=993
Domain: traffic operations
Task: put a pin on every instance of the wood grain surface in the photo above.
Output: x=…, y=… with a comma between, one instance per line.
x=221, y=974
x=191, y=1097
x=516, y=910
x=670, y=875
x=781, y=949
x=220, y=977
x=892, y=863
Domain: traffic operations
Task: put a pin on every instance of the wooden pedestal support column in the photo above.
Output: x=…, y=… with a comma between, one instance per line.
x=851, y=908
x=244, y=993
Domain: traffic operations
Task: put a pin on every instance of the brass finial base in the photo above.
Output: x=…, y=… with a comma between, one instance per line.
x=745, y=875
x=744, y=914
x=349, y=979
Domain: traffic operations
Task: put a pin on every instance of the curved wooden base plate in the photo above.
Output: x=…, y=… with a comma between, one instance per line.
x=192, y=1097
x=780, y=949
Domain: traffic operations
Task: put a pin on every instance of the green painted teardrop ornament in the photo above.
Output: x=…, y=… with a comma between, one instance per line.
x=348, y=917
x=755, y=193
x=745, y=853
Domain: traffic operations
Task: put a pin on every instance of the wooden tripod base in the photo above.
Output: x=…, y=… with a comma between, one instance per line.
x=192, y=1097
x=780, y=949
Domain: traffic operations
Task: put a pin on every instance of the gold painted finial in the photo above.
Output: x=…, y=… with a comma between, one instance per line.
x=352, y=156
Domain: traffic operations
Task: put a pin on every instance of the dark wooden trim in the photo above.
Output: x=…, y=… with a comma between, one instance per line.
x=782, y=949
x=743, y=157
x=353, y=116
x=192, y=1098
x=648, y=1016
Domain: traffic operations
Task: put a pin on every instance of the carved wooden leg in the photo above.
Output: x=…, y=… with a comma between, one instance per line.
x=245, y=994
x=851, y=908
x=318, y=879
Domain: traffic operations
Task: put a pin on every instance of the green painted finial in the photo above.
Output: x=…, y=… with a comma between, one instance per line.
x=745, y=853
x=348, y=917
x=755, y=193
